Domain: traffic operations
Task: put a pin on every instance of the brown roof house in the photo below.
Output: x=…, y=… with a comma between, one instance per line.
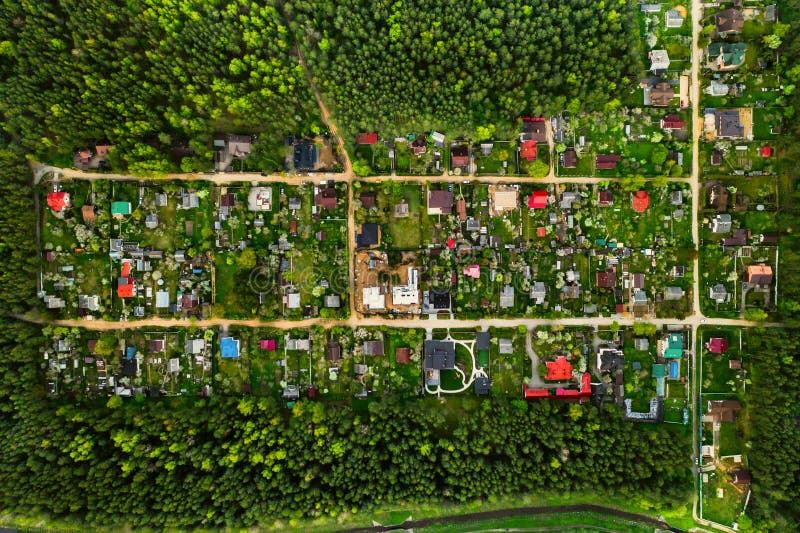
x=661, y=94
x=402, y=355
x=729, y=22
x=722, y=411
x=326, y=198
x=719, y=198
x=88, y=214
x=367, y=199
x=440, y=202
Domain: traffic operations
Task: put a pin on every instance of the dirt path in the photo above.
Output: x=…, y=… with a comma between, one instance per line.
x=521, y=511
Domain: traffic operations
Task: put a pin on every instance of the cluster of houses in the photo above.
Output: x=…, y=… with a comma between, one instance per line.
x=130, y=368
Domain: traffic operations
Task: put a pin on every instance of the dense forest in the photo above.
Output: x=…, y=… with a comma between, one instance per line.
x=775, y=421
x=152, y=77
x=413, y=66
x=789, y=216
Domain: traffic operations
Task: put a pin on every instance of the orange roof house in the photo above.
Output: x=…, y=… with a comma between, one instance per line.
x=126, y=269
x=58, y=201
x=125, y=288
x=558, y=370
x=758, y=275
x=528, y=150
x=640, y=201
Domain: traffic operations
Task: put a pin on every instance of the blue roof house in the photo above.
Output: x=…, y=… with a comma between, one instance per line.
x=229, y=348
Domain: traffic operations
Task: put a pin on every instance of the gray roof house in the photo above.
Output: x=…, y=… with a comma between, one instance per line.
x=718, y=293
x=538, y=292
x=721, y=223
x=507, y=297
x=673, y=293
x=439, y=355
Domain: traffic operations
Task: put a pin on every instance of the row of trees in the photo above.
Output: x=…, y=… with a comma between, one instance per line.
x=147, y=76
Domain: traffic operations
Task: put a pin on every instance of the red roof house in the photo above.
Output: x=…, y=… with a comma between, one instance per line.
x=672, y=122
x=366, y=138
x=126, y=269
x=607, y=161
x=267, y=344
x=461, y=209
x=58, y=201
x=541, y=231
x=608, y=278
x=558, y=370
x=717, y=345
x=537, y=200
x=451, y=243
x=640, y=201
x=765, y=151
x=528, y=150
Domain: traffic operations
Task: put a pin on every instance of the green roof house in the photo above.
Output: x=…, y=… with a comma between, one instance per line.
x=672, y=346
x=120, y=209
x=659, y=371
x=726, y=56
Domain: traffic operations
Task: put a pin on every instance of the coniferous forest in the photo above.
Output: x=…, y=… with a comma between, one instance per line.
x=409, y=65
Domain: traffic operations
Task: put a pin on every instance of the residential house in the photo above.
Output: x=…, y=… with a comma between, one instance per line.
x=537, y=200
x=640, y=200
x=88, y=303
x=367, y=138
x=507, y=297
x=402, y=355
x=333, y=351
x=440, y=202
x=332, y=301
x=717, y=88
x=722, y=411
x=305, y=155
x=605, y=199
x=373, y=298
x=676, y=197
x=368, y=199
x=723, y=56
x=719, y=197
x=721, y=223
x=369, y=236
x=527, y=150
x=672, y=122
x=716, y=158
x=607, y=279
x=58, y=201
x=461, y=209
x=151, y=221
x=120, y=209
x=538, y=292
x=373, y=348
x=326, y=198
x=295, y=203
x=570, y=158
x=659, y=61
x=671, y=347
x=419, y=146
x=741, y=477
x=759, y=275
x=728, y=124
x=718, y=293
x=504, y=199
x=505, y=346
x=229, y=348
x=407, y=294
x=607, y=161
x=459, y=156
x=298, y=345
x=739, y=238
x=568, y=198
x=401, y=209
x=660, y=94
x=558, y=370
x=534, y=129
x=189, y=200
x=673, y=293
x=673, y=18
x=230, y=147
x=482, y=385
x=717, y=345
x=88, y=213
x=194, y=346
x=438, y=355
x=438, y=139
x=729, y=22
